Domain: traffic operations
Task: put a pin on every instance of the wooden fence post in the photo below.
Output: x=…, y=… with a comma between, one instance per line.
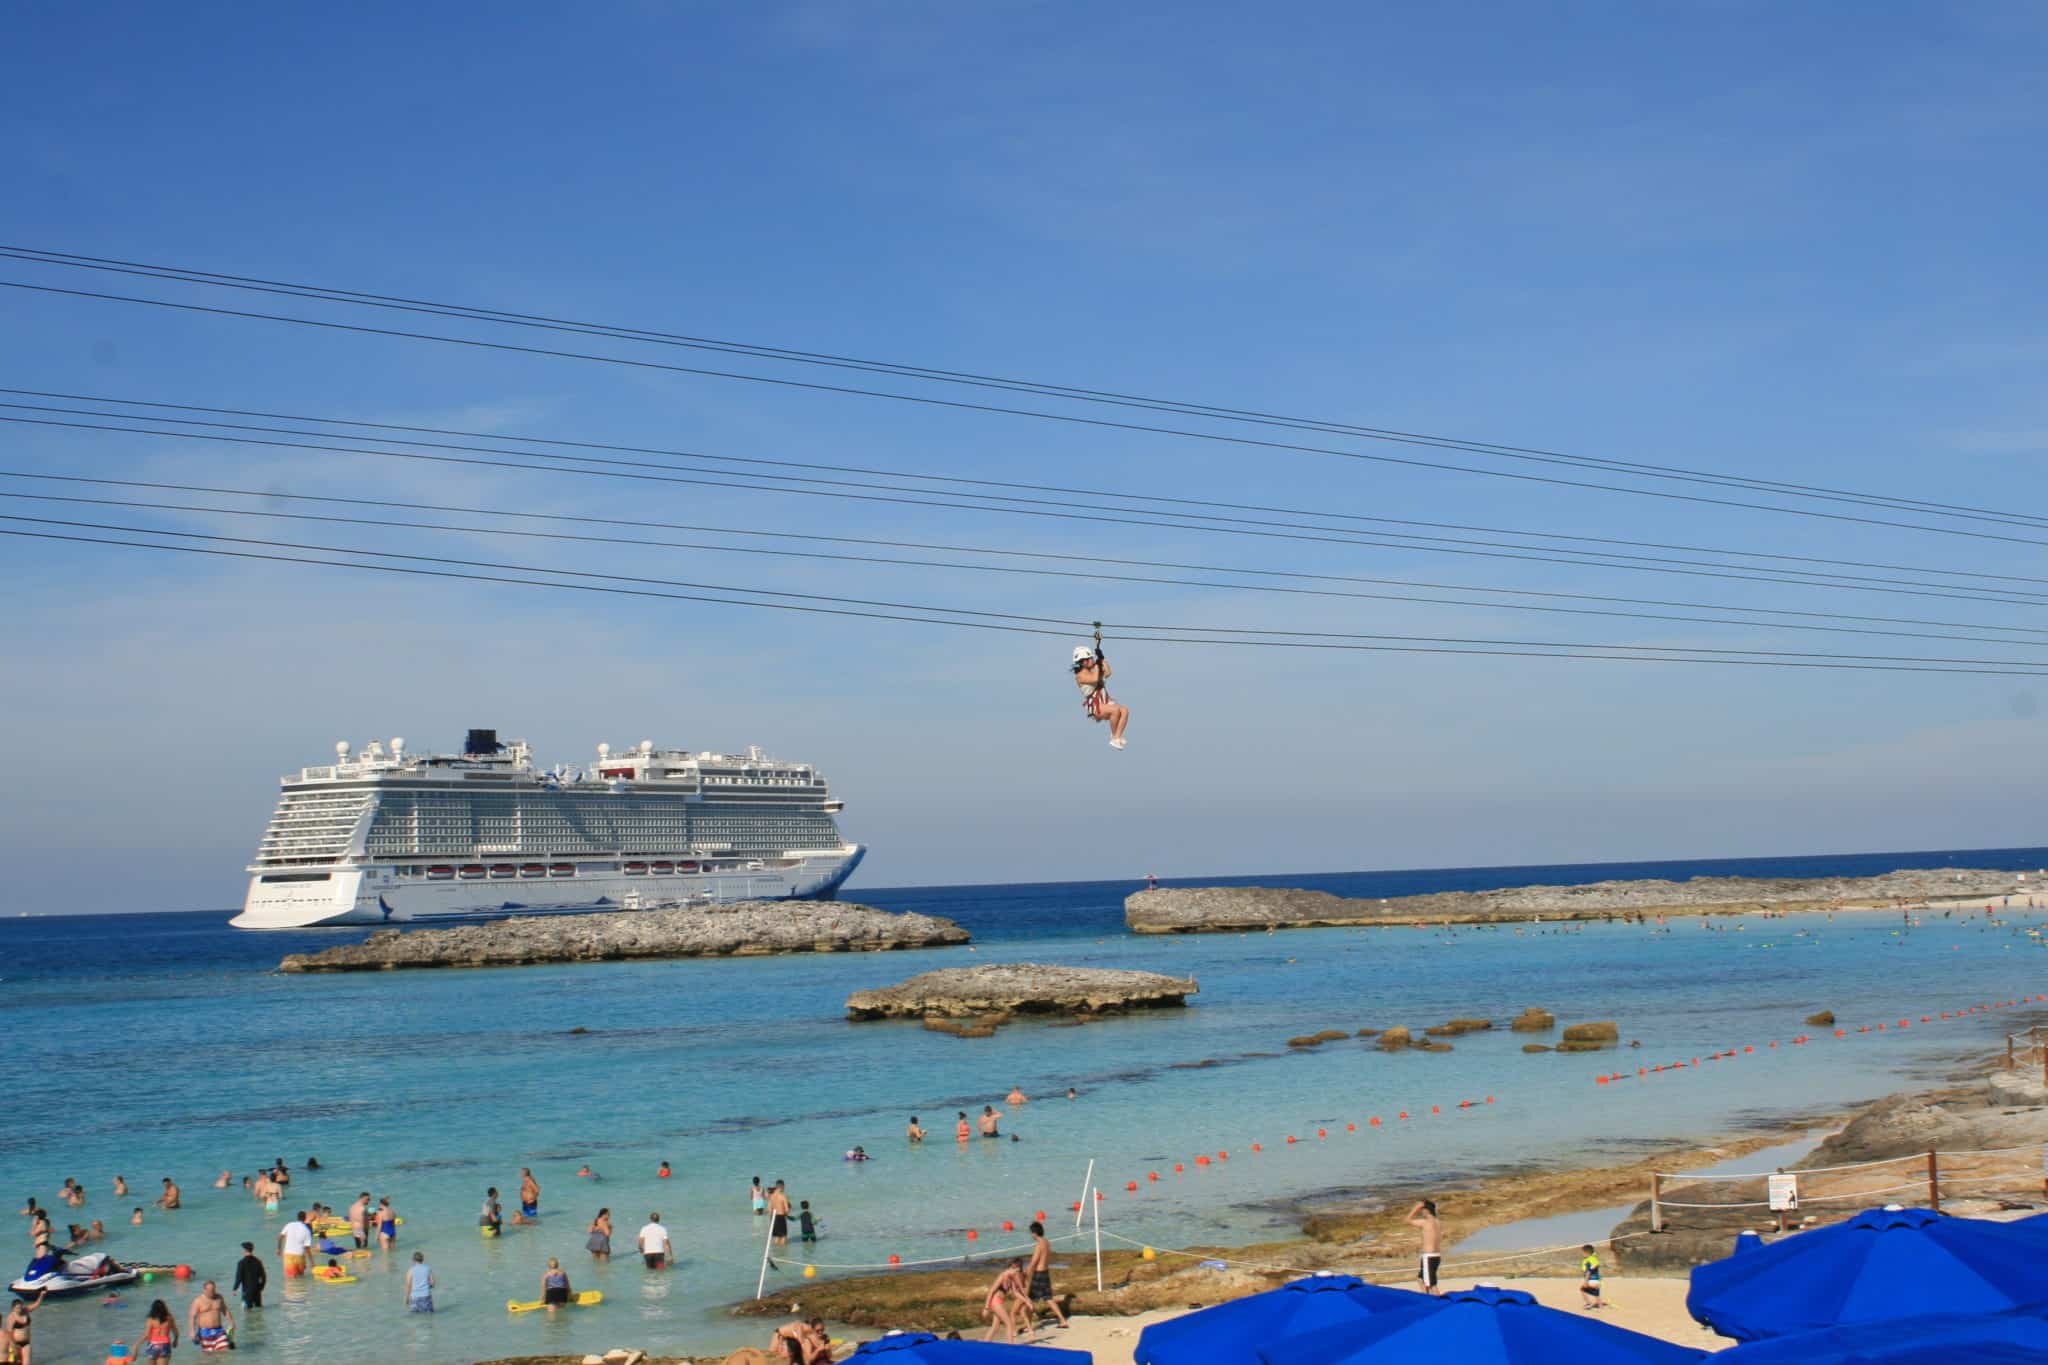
x=1933, y=1183
x=1656, y=1204
x=2008, y=1052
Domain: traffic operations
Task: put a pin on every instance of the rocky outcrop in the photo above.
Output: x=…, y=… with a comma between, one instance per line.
x=1200, y=909
x=1457, y=1027
x=1533, y=1020
x=1825, y=1019
x=1605, y=1031
x=749, y=928
x=1019, y=988
x=1535, y=1047
x=1395, y=1039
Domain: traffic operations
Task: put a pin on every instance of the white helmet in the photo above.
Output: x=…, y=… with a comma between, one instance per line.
x=1082, y=654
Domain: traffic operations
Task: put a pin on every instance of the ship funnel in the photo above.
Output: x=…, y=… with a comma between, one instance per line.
x=481, y=742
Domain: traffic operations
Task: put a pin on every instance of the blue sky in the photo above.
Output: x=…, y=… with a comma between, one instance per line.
x=1792, y=242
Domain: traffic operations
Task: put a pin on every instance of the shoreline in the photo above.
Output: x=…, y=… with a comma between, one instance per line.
x=1342, y=1232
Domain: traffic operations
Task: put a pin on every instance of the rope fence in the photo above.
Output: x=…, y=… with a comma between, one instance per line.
x=1923, y=1177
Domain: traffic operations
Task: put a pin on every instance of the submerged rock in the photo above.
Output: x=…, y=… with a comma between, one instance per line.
x=1395, y=1039
x=1022, y=987
x=1533, y=1020
x=1605, y=1031
x=1825, y=1019
x=1535, y=1047
x=747, y=928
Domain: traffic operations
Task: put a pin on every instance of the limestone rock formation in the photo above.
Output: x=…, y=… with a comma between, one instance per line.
x=748, y=928
x=1021, y=988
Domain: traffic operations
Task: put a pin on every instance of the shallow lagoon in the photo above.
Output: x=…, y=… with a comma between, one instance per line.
x=162, y=1044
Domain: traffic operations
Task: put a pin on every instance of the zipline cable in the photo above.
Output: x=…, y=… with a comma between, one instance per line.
x=1070, y=418
x=1129, y=630
x=1615, y=657
x=1337, y=536
x=1094, y=575
x=904, y=474
x=323, y=293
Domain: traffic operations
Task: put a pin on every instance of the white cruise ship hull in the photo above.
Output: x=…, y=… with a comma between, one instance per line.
x=358, y=895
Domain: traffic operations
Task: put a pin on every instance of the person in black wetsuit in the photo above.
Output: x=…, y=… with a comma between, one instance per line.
x=250, y=1277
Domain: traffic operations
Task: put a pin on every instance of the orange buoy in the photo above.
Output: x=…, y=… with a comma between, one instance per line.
x=1290, y=1139
x=1223, y=1156
x=1489, y=1099
x=1041, y=1215
x=183, y=1272
x=1350, y=1127
x=1322, y=1132
x=973, y=1236
x=1257, y=1148
x=1374, y=1121
x=1098, y=1196
x=895, y=1259
x=1131, y=1185
x=1435, y=1109
x=1178, y=1168
x=1153, y=1176
x=1403, y=1114
x=1009, y=1226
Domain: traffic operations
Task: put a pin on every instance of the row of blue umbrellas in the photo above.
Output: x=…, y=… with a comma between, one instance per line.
x=1887, y=1287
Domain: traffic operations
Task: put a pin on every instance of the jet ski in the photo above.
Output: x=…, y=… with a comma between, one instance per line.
x=80, y=1275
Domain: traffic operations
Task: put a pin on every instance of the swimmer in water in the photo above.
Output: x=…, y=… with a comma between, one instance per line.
x=136, y=1218
x=1016, y=1096
x=170, y=1198
x=225, y=1179
x=913, y=1132
x=120, y=1188
x=961, y=1132
x=988, y=1121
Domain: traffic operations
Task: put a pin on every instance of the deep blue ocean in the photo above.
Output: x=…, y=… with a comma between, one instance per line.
x=165, y=1044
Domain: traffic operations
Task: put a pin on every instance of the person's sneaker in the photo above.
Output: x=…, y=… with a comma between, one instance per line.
x=1116, y=744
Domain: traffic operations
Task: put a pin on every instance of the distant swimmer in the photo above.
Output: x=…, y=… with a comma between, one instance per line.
x=759, y=1198
x=913, y=1132
x=664, y=1172
x=857, y=1154
x=223, y=1180
x=1016, y=1096
x=529, y=1198
x=961, y=1132
x=491, y=1217
x=599, y=1242
x=1091, y=674
x=1072, y=1093
x=988, y=1121
x=170, y=1198
x=120, y=1188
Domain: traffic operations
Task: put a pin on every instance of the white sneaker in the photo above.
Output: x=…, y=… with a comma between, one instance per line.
x=1116, y=744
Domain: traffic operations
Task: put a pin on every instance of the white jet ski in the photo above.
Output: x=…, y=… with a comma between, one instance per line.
x=80, y=1275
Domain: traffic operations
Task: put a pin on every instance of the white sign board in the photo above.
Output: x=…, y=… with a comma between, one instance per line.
x=1784, y=1192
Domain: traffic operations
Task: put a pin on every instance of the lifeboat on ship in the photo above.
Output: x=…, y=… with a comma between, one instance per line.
x=503, y=870
x=664, y=869
x=534, y=870
x=636, y=869
x=471, y=871
x=562, y=869
x=440, y=874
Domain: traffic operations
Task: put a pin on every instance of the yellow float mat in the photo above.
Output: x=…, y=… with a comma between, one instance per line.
x=323, y=1275
x=584, y=1300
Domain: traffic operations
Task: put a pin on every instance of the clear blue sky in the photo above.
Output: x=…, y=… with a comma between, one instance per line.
x=1796, y=242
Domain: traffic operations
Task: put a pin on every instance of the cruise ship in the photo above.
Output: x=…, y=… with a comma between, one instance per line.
x=384, y=836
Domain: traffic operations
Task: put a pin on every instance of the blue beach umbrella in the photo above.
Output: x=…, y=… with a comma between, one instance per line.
x=1234, y=1331
x=922, y=1348
x=1481, y=1326
x=1936, y=1339
x=1881, y=1264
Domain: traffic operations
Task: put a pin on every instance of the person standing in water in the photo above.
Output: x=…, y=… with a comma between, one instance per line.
x=17, y=1329
x=758, y=1197
x=359, y=1220
x=170, y=1198
x=914, y=1133
x=554, y=1285
x=599, y=1243
x=250, y=1277
x=778, y=1215
x=210, y=1320
x=529, y=1198
x=159, y=1332
x=419, y=1285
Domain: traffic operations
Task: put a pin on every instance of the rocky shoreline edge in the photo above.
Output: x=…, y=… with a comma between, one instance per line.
x=1220, y=909
x=1369, y=1238
x=741, y=929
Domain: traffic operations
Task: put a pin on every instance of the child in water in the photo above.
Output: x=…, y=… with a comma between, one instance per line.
x=807, y=1226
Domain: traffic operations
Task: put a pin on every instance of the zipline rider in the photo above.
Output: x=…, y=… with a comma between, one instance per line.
x=1091, y=675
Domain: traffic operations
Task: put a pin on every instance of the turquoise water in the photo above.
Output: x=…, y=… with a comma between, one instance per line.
x=162, y=1044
